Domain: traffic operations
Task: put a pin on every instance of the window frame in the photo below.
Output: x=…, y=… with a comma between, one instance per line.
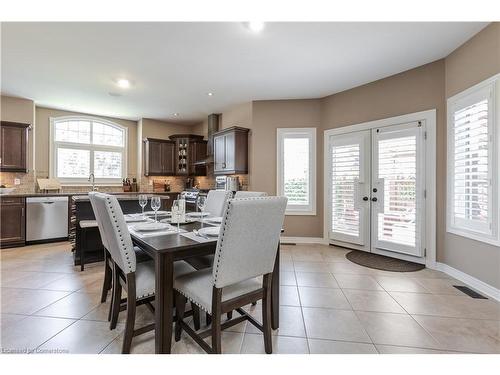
x=488, y=89
x=54, y=145
x=310, y=133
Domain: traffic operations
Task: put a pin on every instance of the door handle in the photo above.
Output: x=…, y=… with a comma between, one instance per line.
x=374, y=199
x=365, y=198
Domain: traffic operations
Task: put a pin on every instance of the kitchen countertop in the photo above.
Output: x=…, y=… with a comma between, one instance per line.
x=121, y=196
x=83, y=194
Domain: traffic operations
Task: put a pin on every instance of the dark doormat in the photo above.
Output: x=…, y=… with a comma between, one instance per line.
x=381, y=262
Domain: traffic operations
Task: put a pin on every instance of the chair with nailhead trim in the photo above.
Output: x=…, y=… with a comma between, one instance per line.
x=138, y=279
x=242, y=270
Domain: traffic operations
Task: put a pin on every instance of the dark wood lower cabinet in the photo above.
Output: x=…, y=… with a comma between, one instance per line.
x=12, y=222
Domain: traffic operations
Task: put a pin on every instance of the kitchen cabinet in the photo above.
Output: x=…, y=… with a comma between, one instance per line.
x=159, y=157
x=231, y=151
x=12, y=222
x=189, y=149
x=13, y=146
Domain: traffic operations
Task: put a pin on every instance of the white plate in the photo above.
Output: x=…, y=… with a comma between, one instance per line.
x=169, y=220
x=198, y=214
x=215, y=219
x=159, y=213
x=150, y=227
x=135, y=219
x=210, y=231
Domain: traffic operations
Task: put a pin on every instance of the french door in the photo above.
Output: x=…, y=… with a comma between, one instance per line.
x=376, y=190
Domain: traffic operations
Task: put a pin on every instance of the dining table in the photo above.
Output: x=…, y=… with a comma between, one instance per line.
x=165, y=249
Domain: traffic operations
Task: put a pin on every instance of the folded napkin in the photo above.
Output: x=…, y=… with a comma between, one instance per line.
x=196, y=238
x=163, y=232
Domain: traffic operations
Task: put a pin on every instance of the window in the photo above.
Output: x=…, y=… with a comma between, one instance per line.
x=84, y=145
x=297, y=169
x=473, y=163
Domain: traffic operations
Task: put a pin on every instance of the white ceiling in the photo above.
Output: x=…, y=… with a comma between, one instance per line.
x=172, y=66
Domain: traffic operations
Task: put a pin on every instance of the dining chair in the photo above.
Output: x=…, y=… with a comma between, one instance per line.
x=107, y=285
x=242, y=271
x=249, y=194
x=216, y=201
x=138, y=279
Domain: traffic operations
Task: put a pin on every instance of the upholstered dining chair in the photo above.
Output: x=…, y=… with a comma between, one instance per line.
x=138, y=279
x=216, y=201
x=242, y=270
x=108, y=261
x=249, y=194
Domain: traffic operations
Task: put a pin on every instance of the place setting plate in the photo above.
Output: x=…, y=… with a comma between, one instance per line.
x=198, y=214
x=158, y=213
x=135, y=218
x=187, y=221
x=151, y=227
x=209, y=231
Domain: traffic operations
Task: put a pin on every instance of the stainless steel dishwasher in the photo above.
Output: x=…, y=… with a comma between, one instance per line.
x=46, y=218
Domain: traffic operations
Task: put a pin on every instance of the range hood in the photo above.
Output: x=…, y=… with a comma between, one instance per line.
x=213, y=126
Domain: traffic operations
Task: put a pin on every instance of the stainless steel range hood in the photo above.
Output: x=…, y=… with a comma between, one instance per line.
x=213, y=127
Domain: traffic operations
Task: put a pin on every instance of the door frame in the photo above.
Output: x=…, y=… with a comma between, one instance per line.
x=428, y=119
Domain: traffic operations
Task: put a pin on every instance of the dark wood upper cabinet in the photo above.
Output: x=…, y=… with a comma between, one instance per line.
x=12, y=222
x=13, y=146
x=189, y=149
x=159, y=157
x=231, y=151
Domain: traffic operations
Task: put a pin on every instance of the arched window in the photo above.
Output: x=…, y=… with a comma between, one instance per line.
x=82, y=145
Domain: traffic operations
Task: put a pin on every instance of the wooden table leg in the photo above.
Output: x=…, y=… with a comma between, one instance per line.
x=275, y=292
x=164, y=284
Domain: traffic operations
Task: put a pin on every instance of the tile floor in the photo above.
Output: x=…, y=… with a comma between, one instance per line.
x=328, y=305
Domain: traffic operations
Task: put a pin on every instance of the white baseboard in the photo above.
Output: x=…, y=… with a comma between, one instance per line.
x=477, y=284
x=301, y=240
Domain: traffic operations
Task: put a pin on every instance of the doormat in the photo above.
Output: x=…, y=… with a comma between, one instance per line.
x=381, y=262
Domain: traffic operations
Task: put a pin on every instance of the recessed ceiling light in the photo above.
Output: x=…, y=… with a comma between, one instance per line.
x=123, y=83
x=256, y=26
x=176, y=114
x=210, y=93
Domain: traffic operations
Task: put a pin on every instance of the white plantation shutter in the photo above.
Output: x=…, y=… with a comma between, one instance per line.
x=473, y=191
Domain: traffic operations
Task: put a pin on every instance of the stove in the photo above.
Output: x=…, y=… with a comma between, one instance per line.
x=190, y=195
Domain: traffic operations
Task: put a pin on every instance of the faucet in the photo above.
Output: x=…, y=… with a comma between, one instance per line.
x=92, y=180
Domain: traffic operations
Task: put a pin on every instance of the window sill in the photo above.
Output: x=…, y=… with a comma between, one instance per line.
x=300, y=213
x=474, y=236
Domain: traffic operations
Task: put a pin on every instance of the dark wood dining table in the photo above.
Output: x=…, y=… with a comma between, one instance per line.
x=165, y=250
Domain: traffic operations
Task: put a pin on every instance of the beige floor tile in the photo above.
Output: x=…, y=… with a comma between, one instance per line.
x=311, y=267
x=74, y=306
x=340, y=347
x=83, y=337
x=448, y=306
x=467, y=335
x=333, y=324
x=307, y=257
x=286, y=265
x=317, y=280
x=323, y=297
x=287, y=278
x=27, y=301
x=396, y=329
x=289, y=296
x=254, y=344
x=389, y=349
x=427, y=273
x=142, y=344
x=348, y=268
x=441, y=286
x=100, y=313
x=361, y=282
x=31, y=280
x=27, y=334
x=71, y=283
x=291, y=322
x=370, y=300
x=400, y=284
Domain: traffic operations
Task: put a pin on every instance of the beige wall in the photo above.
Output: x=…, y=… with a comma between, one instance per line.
x=42, y=147
x=470, y=64
x=266, y=118
x=162, y=130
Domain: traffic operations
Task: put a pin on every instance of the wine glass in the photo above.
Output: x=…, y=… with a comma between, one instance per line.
x=155, y=205
x=143, y=201
x=176, y=213
x=201, y=201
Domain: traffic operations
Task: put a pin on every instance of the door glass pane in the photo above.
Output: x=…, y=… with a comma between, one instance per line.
x=296, y=170
x=107, y=164
x=345, y=177
x=73, y=163
x=74, y=131
x=397, y=167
